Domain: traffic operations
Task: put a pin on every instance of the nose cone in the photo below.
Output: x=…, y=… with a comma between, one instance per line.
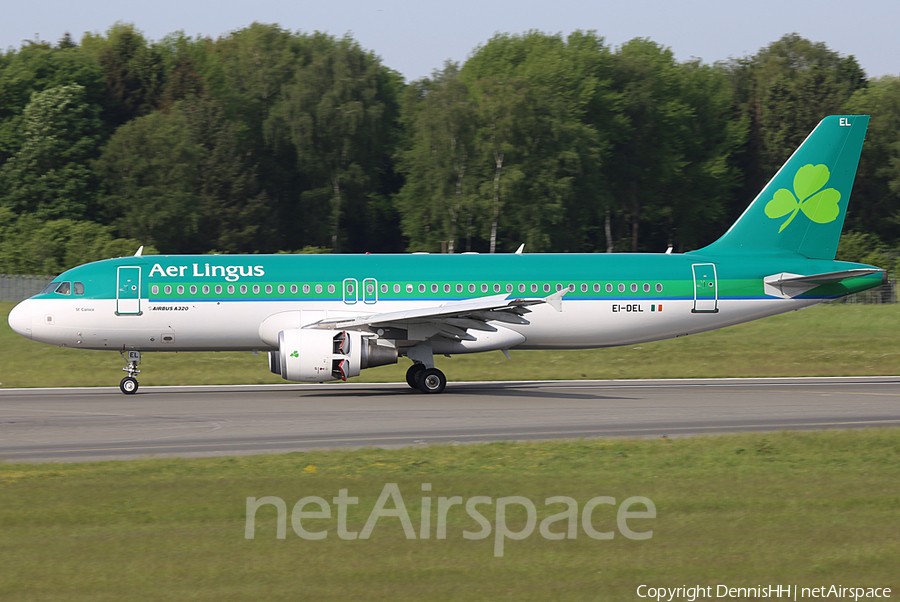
x=20, y=319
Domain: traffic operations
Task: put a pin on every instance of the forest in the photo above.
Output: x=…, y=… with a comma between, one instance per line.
x=266, y=140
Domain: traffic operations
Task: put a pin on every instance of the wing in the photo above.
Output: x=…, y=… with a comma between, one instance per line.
x=451, y=319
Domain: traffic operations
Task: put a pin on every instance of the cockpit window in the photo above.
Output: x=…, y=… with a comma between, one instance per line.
x=50, y=288
x=64, y=288
x=79, y=288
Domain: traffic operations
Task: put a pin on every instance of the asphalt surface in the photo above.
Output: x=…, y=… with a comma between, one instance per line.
x=103, y=424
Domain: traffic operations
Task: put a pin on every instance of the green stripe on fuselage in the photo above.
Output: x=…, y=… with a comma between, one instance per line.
x=737, y=276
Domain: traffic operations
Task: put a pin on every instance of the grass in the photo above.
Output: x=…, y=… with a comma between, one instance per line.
x=805, y=508
x=828, y=340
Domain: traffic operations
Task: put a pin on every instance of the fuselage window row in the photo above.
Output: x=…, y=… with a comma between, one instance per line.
x=66, y=288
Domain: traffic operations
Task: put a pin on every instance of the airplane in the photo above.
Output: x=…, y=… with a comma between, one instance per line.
x=327, y=317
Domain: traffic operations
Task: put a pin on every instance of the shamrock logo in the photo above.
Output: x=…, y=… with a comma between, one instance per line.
x=821, y=206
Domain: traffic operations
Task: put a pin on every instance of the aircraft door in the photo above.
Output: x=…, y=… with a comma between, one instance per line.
x=706, y=296
x=370, y=291
x=128, y=291
x=351, y=291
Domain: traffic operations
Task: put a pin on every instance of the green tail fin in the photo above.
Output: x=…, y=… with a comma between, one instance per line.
x=802, y=209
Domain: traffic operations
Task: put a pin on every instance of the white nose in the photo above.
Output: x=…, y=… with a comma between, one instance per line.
x=20, y=319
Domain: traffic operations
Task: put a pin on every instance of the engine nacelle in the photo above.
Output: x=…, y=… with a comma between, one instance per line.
x=275, y=362
x=311, y=355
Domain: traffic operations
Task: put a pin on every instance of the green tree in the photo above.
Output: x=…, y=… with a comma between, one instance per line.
x=437, y=160
x=693, y=212
x=50, y=175
x=246, y=72
x=337, y=114
x=876, y=193
x=150, y=171
x=233, y=210
x=541, y=135
x=648, y=155
x=178, y=179
x=29, y=245
x=36, y=68
x=134, y=71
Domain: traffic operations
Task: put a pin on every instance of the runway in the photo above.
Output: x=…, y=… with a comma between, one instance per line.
x=102, y=424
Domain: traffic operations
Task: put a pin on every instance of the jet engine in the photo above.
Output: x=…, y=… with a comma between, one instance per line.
x=311, y=355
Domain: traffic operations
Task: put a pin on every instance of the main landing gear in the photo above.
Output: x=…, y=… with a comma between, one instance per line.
x=426, y=380
x=129, y=384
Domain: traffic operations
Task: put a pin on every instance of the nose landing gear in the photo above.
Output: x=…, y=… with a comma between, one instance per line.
x=129, y=384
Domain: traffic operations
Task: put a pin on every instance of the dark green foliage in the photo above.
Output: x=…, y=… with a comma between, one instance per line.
x=49, y=174
x=266, y=139
x=31, y=246
x=878, y=179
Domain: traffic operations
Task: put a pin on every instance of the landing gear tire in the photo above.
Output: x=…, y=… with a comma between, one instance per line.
x=414, y=375
x=129, y=385
x=432, y=381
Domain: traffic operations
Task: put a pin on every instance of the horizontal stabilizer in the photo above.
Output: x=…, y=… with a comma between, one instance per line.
x=787, y=285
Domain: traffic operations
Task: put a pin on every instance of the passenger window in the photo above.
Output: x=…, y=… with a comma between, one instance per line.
x=154, y=289
x=621, y=287
x=330, y=288
x=79, y=288
x=534, y=288
x=180, y=289
x=218, y=289
x=384, y=288
x=608, y=287
x=409, y=288
x=546, y=288
x=471, y=288
x=446, y=288
x=193, y=289
x=168, y=289
x=646, y=287
x=483, y=288
x=459, y=288
x=305, y=289
x=521, y=288
x=396, y=288
x=318, y=288
x=658, y=288
x=596, y=287
x=230, y=289
x=205, y=289
x=243, y=289
x=634, y=287
x=584, y=288
x=421, y=288
x=434, y=288
x=64, y=288
x=496, y=288
x=509, y=288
